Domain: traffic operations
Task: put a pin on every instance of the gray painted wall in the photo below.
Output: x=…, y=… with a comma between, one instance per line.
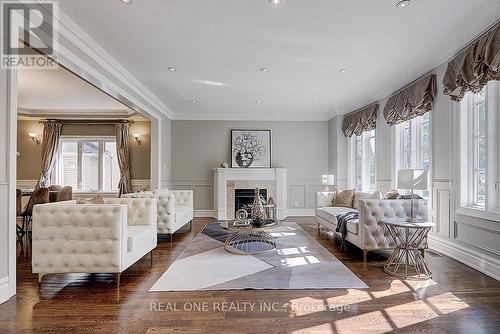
x=200, y=146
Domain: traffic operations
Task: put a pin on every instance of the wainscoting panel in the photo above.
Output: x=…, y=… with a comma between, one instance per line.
x=297, y=196
x=440, y=209
x=470, y=240
x=204, y=197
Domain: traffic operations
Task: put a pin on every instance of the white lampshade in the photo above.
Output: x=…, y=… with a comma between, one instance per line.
x=416, y=179
x=328, y=180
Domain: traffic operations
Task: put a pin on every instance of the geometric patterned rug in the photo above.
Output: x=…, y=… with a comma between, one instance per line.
x=299, y=262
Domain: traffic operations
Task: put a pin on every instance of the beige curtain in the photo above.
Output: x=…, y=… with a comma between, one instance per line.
x=357, y=122
x=473, y=67
x=50, y=146
x=414, y=100
x=122, y=137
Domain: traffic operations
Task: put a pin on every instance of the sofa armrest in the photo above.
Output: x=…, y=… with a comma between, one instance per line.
x=324, y=198
x=74, y=238
x=183, y=197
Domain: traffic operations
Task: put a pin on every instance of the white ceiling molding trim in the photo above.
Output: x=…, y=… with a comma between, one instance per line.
x=76, y=35
x=76, y=113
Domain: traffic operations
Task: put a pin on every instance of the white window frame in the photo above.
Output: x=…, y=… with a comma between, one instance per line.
x=365, y=162
x=80, y=139
x=416, y=148
x=466, y=163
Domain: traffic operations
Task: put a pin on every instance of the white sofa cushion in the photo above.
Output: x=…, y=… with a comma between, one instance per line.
x=330, y=214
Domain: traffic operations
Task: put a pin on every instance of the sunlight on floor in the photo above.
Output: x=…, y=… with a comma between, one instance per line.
x=352, y=296
x=375, y=321
x=282, y=234
x=293, y=251
x=299, y=261
x=403, y=315
x=396, y=287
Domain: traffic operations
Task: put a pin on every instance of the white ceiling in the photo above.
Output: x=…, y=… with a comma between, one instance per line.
x=303, y=43
x=58, y=91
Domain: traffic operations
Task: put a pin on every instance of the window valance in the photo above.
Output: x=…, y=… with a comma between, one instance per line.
x=473, y=67
x=412, y=101
x=357, y=122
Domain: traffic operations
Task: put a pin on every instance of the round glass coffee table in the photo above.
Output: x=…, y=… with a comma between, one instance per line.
x=248, y=239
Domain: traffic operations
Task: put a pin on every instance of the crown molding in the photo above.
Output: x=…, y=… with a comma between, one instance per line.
x=71, y=31
x=76, y=113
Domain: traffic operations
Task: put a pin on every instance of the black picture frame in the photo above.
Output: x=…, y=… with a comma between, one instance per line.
x=262, y=135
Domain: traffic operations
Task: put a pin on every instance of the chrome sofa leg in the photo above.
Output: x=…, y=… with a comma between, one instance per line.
x=365, y=256
x=191, y=225
x=40, y=280
x=151, y=255
x=117, y=279
x=170, y=235
x=318, y=228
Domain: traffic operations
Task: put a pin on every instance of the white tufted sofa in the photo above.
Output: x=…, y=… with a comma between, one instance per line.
x=368, y=232
x=175, y=208
x=93, y=238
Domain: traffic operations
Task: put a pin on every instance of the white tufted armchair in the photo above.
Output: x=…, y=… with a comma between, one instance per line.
x=93, y=238
x=368, y=232
x=175, y=208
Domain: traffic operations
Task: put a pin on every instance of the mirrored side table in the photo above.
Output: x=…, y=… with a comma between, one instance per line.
x=407, y=261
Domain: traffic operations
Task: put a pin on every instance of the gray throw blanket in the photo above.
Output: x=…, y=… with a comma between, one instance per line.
x=342, y=220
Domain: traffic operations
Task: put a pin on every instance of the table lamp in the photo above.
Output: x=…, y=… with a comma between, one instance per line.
x=327, y=181
x=414, y=179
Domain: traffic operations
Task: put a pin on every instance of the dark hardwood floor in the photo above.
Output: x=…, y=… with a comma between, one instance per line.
x=457, y=300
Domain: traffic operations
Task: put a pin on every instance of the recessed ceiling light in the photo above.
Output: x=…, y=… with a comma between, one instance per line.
x=128, y=2
x=403, y=4
x=343, y=70
x=275, y=2
x=263, y=69
x=258, y=101
x=315, y=101
x=193, y=101
x=172, y=69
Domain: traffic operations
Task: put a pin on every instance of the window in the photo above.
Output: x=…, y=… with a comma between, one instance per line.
x=413, y=145
x=88, y=164
x=479, y=149
x=364, y=162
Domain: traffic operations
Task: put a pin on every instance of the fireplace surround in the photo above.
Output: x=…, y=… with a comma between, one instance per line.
x=227, y=180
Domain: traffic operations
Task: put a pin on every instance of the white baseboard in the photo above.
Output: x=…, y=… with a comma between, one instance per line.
x=5, y=292
x=481, y=262
x=300, y=212
x=204, y=214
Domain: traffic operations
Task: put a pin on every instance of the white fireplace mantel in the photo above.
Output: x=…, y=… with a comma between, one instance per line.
x=223, y=175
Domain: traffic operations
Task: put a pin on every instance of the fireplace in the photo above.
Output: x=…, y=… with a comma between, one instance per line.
x=243, y=198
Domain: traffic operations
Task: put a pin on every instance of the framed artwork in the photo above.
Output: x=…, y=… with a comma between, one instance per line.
x=251, y=148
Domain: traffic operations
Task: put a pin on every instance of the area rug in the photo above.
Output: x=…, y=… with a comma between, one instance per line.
x=299, y=262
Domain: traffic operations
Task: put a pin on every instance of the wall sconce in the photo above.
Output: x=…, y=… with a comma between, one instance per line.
x=34, y=137
x=137, y=138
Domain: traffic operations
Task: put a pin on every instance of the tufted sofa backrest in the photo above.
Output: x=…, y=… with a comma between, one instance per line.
x=69, y=237
x=373, y=212
x=183, y=197
x=141, y=211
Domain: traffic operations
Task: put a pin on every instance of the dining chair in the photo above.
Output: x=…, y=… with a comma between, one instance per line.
x=39, y=196
x=54, y=191
x=66, y=194
x=19, y=211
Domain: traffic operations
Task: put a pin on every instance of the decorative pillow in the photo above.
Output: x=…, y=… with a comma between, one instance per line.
x=344, y=198
x=333, y=192
x=393, y=194
x=94, y=200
